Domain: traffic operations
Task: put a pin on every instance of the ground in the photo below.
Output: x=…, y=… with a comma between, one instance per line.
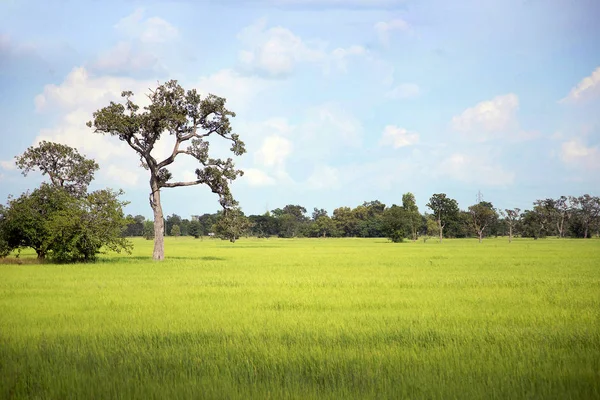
x=308, y=318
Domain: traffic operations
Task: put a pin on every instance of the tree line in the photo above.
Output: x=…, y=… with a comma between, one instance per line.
x=567, y=216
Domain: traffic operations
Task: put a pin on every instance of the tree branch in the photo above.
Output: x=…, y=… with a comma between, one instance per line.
x=178, y=184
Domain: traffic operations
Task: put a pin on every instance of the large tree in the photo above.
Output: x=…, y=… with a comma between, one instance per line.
x=189, y=119
x=63, y=164
x=444, y=208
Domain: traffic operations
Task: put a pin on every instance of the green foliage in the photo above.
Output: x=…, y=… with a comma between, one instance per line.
x=148, y=230
x=397, y=236
x=63, y=227
x=483, y=215
x=189, y=119
x=175, y=230
x=308, y=319
x=195, y=229
x=231, y=225
x=63, y=164
x=444, y=209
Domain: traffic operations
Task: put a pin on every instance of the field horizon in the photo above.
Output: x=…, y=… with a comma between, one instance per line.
x=307, y=318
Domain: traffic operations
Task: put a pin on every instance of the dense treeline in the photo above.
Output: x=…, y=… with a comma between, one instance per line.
x=577, y=217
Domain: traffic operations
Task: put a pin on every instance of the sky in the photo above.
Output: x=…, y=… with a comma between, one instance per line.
x=338, y=101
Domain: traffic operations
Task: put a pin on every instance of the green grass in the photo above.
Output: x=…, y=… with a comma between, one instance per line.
x=308, y=318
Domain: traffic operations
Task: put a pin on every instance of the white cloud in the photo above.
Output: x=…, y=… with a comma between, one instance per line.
x=323, y=177
x=144, y=40
x=8, y=165
x=127, y=57
x=273, y=152
x=239, y=90
x=576, y=154
x=256, y=177
x=587, y=88
x=384, y=29
x=331, y=122
x=493, y=116
x=475, y=169
x=341, y=55
x=122, y=175
x=276, y=51
x=150, y=30
x=404, y=91
x=83, y=90
x=398, y=137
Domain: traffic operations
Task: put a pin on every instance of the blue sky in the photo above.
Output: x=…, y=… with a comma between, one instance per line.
x=338, y=101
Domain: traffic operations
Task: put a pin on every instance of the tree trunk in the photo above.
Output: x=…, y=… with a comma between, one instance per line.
x=41, y=255
x=159, y=223
x=480, y=236
x=510, y=234
x=441, y=230
x=585, y=233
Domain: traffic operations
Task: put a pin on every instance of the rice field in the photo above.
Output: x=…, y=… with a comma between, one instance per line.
x=307, y=318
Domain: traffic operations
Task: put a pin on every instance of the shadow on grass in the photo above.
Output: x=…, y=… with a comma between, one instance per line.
x=125, y=259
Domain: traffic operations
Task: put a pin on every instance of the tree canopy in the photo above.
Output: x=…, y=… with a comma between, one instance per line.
x=63, y=164
x=189, y=119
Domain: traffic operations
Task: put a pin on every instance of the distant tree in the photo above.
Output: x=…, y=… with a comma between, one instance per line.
x=195, y=229
x=409, y=204
x=589, y=211
x=324, y=226
x=148, y=230
x=135, y=226
x=264, y=225
x=432, y=226
x=512, y=217
x=563, y=209
x=175, y=231
x=63, y=164
x=396, y=223
x=548, y=215
x=231, y=224
x=172, y=220
x=482, y=215
x=444, y=208
x=532, y=225
x=190, y=119
x=318, y=213
x=346, y=221
x=185, y=227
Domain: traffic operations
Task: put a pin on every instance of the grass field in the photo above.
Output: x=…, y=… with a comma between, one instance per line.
x=308, y=318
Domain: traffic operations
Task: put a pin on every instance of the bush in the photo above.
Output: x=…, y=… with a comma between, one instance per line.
x=397, y=236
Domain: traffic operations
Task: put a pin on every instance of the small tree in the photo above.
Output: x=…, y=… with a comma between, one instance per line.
x=231, y=224
x=148, y=232
x=512, y=217
x=444, y=208
x=189, y=119
x=195, y=229
x=414, y=217
x=175, y=231
x=482, y=215
x=63, y=164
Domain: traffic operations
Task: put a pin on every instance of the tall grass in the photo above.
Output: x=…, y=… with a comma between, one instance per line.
x=322, y=318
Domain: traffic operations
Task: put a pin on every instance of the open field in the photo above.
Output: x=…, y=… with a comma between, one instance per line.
x=308, y=318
